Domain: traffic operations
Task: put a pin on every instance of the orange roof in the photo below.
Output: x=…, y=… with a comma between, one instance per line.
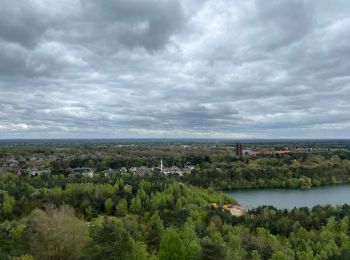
x=281, y=152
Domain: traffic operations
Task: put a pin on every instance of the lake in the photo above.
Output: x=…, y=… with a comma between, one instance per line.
x=290, y=198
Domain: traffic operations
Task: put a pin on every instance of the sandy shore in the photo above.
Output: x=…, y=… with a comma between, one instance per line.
x=237, y=211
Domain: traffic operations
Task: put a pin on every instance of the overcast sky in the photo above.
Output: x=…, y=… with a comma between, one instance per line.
x=168, y=68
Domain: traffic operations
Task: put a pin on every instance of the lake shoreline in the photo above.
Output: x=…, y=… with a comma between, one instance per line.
x=287, y=188
x=282, y=198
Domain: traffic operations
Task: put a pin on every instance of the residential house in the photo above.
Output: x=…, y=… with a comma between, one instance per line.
x=87, y=172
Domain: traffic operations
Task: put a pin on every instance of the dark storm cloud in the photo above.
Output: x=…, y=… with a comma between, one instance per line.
x=214, y=68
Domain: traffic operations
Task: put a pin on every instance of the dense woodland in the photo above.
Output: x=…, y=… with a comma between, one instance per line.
x=152, y=216
x=291, y=171
x=134, y=217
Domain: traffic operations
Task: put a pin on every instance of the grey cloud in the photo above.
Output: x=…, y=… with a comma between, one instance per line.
x=12, y=58
x=112, y=24
x=20, y=22
x=174, y=68
x=284, y=22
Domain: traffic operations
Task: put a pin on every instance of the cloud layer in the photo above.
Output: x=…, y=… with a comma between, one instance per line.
x=175, y=68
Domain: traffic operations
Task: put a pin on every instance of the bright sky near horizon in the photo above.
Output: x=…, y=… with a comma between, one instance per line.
x=174, y=68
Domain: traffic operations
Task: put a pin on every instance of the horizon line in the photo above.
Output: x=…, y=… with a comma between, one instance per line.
x=169, y=138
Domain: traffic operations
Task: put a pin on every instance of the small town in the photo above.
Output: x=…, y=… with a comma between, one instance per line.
x=46, y=161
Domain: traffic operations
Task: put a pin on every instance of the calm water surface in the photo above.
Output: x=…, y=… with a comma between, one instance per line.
x=290, y=198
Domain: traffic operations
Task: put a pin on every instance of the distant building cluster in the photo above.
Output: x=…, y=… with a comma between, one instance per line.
x=142, y=170
x=240, y=151
x=85, y=172
x=37, y=166
x=62, y=160
x=41, y=165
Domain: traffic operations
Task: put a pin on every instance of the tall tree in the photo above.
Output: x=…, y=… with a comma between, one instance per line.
x=56, y=234
x=109, y=240
x=171, y=246
x=7, y=204
x=136, y=205
x=213, y=247
x=191, y=242
x=109, y=205
x=122, y=208
x=155, y=231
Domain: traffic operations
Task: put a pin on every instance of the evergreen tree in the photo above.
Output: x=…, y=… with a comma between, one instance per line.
x=136, y=206
x=172, y=246
x=109, y=241
x=122, y=208
x=109, y=206
x=155, y=231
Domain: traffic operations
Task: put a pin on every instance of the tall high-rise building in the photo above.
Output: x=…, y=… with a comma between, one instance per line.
x=239, y=149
